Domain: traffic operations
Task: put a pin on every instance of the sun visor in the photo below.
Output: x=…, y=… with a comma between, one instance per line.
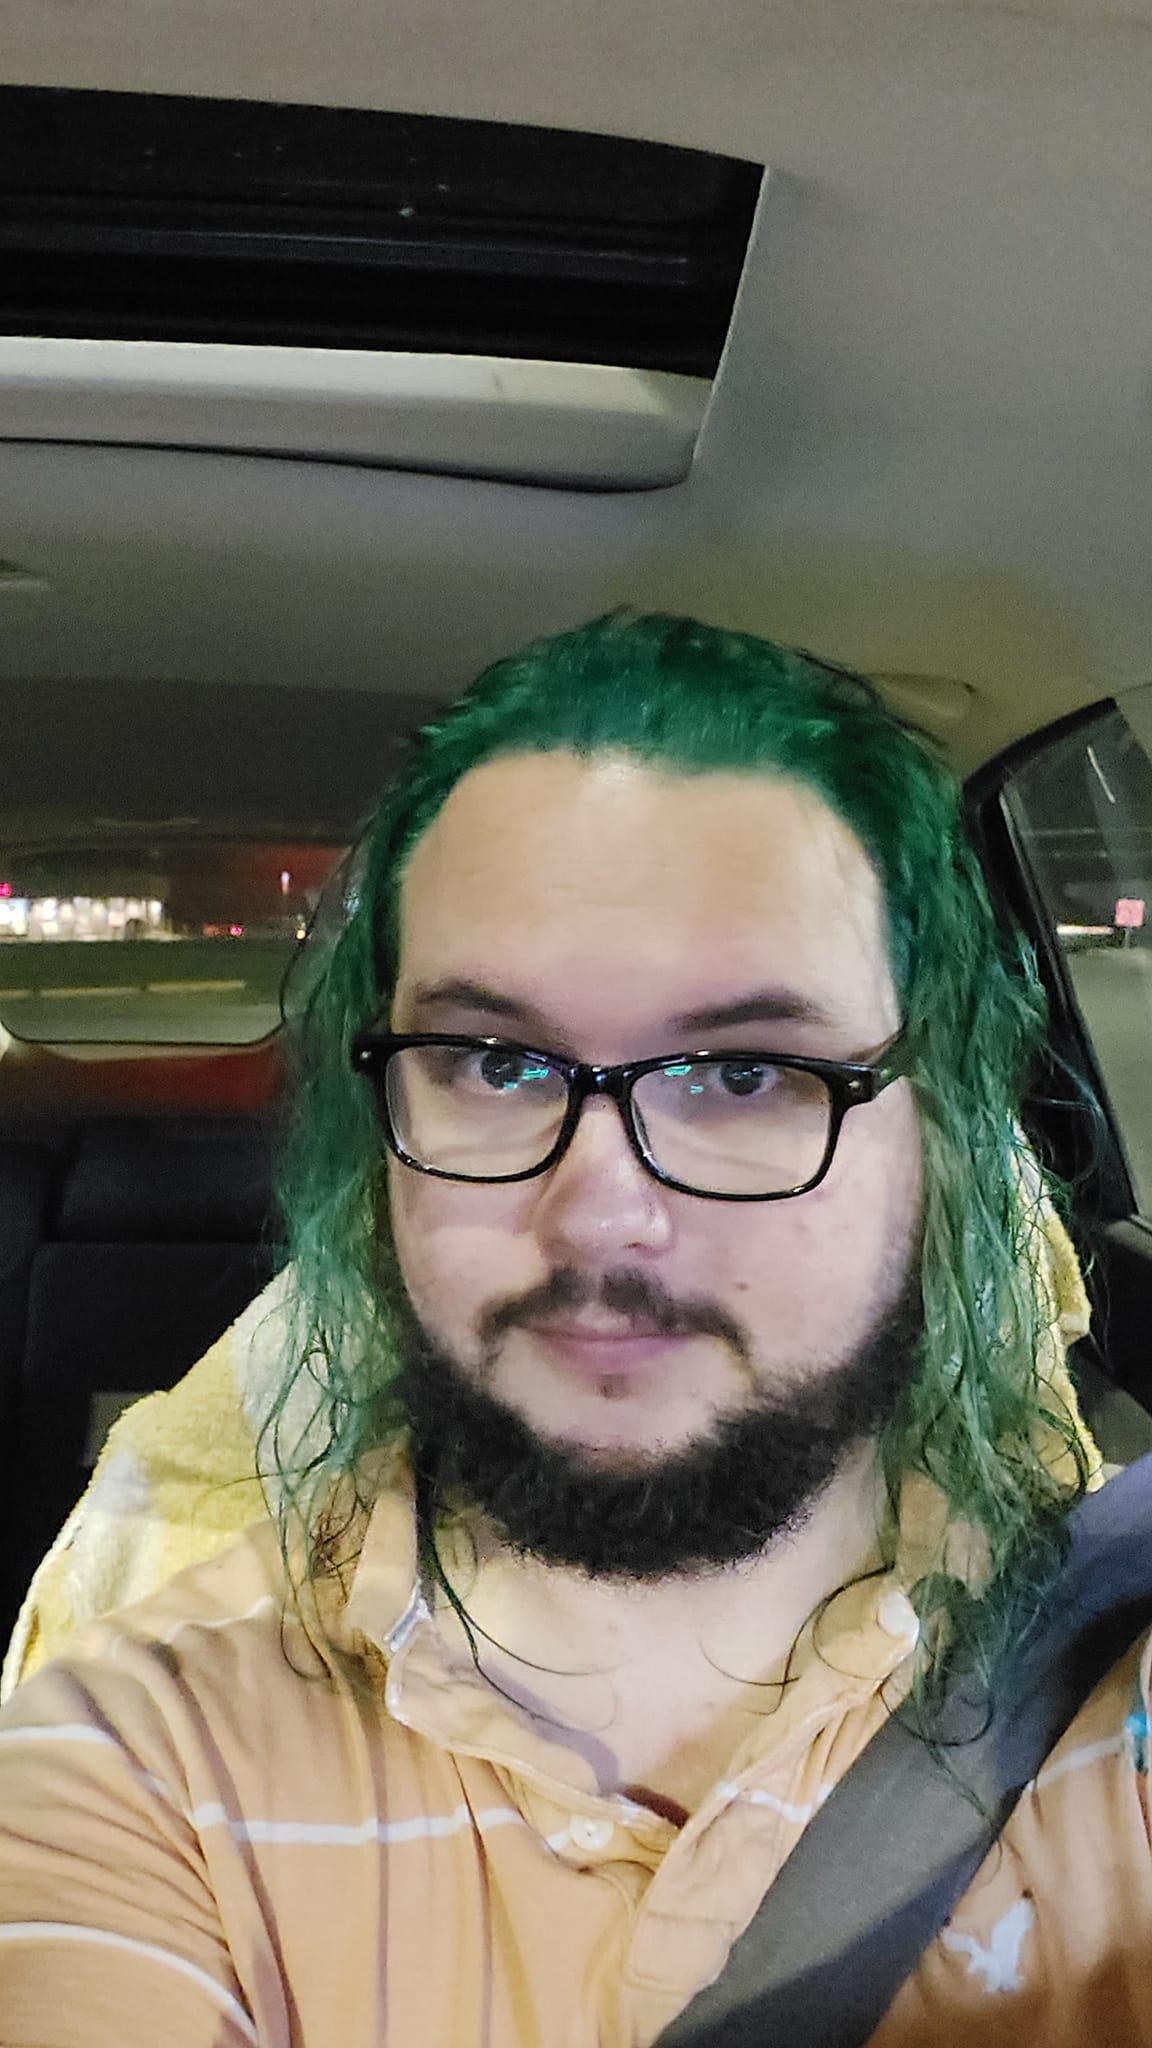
x=455, y=296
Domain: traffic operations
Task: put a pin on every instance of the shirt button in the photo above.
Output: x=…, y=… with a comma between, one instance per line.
x=587, y=1833
x=897, y=1616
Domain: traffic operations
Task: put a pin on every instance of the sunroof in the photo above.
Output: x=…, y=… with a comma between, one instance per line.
x=160, y=217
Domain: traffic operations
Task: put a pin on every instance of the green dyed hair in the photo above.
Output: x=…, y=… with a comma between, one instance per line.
x=694, y=699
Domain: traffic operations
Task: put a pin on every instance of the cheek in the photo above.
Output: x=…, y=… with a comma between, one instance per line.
x=777, y=1272
x=817, y=1270
x=458, y=1248
x=802, y=1276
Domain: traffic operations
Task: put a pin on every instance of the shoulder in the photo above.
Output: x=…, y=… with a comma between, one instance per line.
x=176, y=1482
x=1064, y=1891
x=215, y=1628
x=1087, y=1807
x=205, y=1703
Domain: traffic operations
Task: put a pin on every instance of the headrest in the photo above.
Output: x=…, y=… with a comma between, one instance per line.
x=178, y=1180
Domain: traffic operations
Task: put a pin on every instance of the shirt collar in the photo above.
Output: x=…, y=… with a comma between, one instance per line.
x=853, y=1653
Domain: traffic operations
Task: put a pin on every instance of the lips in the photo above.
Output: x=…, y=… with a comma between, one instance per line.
x=603, y=1352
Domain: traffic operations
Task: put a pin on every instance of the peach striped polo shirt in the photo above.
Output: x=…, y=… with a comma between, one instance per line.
x=210, y=1838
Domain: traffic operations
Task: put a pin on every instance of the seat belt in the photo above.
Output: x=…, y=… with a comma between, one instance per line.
x=879, y=1868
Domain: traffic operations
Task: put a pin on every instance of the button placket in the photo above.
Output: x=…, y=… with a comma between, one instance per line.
x=586, y=1832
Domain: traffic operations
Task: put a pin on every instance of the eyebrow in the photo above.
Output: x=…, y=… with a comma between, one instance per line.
x=762, y=1006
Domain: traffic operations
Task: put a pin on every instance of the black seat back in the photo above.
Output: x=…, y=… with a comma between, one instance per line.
x=134, y=1243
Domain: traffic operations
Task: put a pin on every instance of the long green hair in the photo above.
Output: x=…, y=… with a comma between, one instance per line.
x=693, y=699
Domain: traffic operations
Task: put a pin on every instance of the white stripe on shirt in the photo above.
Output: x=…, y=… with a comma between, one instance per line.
x=337, y=1834
x=753, y=1797
x=62, y=1731
x=208, y=1624
x=1079, y=1759
x=80, y=1731
x=99, y=1937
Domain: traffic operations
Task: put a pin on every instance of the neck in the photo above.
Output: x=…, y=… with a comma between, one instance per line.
x=659, y=1669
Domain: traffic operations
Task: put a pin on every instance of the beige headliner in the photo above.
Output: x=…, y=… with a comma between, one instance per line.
x=931, y=449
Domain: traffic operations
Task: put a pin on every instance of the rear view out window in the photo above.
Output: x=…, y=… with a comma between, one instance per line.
x=1082, y=809
x=184, y=941
x=163, y=846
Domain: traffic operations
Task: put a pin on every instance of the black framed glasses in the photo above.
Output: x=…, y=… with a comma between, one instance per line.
x=729, y=1126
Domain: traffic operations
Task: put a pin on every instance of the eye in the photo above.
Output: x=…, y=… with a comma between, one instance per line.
x=503, y=1069
x=741, y=1077
x=713, y=1084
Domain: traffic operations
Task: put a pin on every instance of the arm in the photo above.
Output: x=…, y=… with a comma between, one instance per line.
x=110, y=1936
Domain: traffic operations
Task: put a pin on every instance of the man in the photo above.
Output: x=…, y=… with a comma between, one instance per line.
x=664, y=1399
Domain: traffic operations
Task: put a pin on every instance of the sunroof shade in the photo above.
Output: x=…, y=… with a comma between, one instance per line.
x=138, y=216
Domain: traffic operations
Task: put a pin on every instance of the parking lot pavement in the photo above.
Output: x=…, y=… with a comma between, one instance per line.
x=195, y=991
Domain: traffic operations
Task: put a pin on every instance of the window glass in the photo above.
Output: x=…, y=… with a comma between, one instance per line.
x=162, y=845
x=1082, y=809
x=183, y=941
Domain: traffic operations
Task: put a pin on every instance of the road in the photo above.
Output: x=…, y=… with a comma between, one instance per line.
x=195, y=1018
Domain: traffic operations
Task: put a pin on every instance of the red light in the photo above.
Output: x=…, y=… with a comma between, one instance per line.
x=236, y=931
x=5, y=888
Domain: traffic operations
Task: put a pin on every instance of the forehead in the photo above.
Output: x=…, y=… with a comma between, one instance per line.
x=576, y=883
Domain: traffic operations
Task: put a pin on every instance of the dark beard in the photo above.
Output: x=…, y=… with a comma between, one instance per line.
x=752, y=1480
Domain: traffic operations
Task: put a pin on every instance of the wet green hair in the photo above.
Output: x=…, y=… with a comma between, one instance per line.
x=693, y=699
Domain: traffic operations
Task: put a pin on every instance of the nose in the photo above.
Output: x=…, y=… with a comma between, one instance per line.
x=599, y=1201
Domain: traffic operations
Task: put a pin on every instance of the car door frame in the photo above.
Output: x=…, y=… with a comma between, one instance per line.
x=1068, y=1110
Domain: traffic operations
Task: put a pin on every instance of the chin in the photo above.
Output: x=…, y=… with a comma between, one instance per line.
x=617, y=1430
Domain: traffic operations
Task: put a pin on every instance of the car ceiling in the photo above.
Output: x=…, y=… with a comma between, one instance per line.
x=929, y=451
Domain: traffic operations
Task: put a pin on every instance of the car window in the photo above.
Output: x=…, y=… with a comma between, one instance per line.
x=162, y=848
x=1082, y=811
x=179, y=941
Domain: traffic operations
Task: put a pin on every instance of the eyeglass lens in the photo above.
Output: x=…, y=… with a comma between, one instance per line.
x=721, y=1126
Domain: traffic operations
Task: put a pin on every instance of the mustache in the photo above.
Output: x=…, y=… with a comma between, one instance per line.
x=630, y=1293
x=646, y=1517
